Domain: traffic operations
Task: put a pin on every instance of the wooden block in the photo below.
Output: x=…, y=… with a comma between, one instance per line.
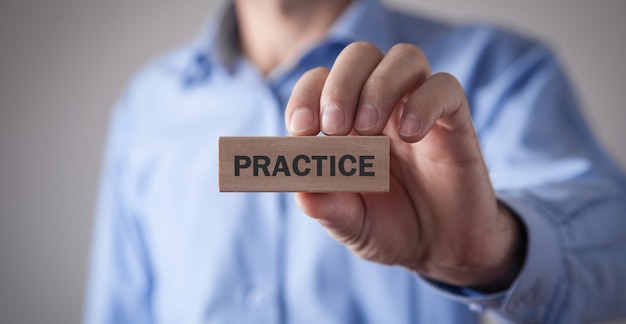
x=304, y=163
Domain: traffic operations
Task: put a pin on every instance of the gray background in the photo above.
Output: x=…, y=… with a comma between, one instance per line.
x=64, y=62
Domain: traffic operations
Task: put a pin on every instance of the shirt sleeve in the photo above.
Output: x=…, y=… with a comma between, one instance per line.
x=568, y=193
x=119, y=280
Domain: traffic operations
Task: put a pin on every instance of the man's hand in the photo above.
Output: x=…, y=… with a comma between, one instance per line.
x=441, y=217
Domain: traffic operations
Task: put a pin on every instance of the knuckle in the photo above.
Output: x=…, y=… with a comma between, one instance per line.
x=413, y=59
x=315, y=72
x=362, y=46
x=408, y=49
x=449, y=81
x=447, y=78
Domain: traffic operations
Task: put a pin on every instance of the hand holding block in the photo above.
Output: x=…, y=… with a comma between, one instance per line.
x=304, y=163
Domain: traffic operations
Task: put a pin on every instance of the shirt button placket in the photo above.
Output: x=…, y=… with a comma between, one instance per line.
x=254, y=298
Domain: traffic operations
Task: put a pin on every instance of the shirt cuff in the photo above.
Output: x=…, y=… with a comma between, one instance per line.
x=535, y=291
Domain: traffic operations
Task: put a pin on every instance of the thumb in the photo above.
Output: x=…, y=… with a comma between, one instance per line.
x=341, y=213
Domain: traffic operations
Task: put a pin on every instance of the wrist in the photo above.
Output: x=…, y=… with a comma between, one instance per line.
x=513, y=240
x=488, y=263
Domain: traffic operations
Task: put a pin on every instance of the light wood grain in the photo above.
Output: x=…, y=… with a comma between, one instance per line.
x=304, y=164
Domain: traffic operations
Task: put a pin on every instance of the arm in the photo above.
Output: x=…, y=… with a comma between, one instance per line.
x=571, y=197
x=119, y=282
x=443, y=218
x=439, y=185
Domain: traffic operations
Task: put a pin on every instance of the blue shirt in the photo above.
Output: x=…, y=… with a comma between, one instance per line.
x=169, y=248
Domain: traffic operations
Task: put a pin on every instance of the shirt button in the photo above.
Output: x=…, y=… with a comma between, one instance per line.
x=254, y=298
x=478, y=308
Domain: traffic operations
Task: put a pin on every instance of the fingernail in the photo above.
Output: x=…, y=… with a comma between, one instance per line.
x=367, y=118
x=410, y=125
x=301, y=120
x=333, y=119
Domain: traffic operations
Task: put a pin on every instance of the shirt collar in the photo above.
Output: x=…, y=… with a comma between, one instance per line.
x=217, y=43
x=364, y=20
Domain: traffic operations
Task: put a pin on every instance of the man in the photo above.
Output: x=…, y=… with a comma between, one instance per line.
x=499, y=197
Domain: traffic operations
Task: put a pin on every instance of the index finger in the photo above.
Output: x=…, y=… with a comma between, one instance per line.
x=302, y=112
x=327, y=100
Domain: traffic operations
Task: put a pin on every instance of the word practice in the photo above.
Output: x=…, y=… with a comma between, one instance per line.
x=304, y=164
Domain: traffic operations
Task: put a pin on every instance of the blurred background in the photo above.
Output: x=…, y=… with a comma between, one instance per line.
x=63, y=63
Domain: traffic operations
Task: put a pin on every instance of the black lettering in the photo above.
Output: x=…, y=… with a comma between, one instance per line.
x=281, y=166
x=363, y=165
x=319, y=159
x=238, y=165
x=342, y=165
x=261, y=162
x=296, y=168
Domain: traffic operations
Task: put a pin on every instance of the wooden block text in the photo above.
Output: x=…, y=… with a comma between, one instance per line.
x=304, y=163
